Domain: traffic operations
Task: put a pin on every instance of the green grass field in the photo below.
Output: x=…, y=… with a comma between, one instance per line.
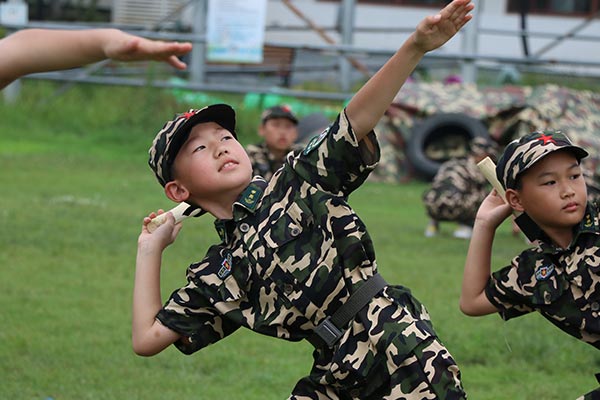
x=75, y=187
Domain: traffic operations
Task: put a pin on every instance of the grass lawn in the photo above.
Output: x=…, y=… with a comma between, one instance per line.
x=75, y=187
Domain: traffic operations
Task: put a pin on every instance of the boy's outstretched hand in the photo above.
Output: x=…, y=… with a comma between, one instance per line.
x=436, y=30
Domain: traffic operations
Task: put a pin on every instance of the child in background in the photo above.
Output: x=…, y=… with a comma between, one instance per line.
x=279, y=130
x=457, y=190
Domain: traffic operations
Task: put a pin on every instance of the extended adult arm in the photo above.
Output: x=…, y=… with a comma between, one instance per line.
x=37, y=50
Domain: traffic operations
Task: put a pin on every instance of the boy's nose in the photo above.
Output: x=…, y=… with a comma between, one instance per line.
x=567, y=190
x=221, y=150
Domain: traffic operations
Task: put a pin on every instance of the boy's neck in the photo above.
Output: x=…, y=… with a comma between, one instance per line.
x=563, y=237
x=560, y=238
x=221, y=207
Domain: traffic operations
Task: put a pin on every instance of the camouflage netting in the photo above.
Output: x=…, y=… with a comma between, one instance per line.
x=507, y=113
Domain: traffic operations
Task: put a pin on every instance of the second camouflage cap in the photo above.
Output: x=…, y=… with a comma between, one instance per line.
x=522, y=153
x=282, y=111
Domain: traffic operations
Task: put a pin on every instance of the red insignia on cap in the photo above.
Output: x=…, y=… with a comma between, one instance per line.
x=187, y=115
x=547, y=139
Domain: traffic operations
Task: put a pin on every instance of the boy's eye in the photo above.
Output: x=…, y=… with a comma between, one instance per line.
x=575, y=176
x=227, y=137
x=549, y=183
x=201, y=147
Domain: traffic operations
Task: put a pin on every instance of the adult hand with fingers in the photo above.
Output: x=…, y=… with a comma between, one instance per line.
x=38, y=50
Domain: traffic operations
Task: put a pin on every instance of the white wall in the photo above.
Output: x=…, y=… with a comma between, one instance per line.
x=491, y=15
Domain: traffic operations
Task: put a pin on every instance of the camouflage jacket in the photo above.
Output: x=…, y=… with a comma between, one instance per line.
x=561, y=284
x=460, y=175
x=292, y=254
x=457, y=190
x=263, y=162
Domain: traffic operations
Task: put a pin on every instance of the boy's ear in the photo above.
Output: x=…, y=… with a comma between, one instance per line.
x=514, y=200
x=176, y=192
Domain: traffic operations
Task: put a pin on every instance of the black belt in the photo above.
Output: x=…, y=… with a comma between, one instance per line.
x=328, y=332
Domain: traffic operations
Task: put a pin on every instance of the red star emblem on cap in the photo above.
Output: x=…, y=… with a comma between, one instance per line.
x=546, y=139
x=187, y=115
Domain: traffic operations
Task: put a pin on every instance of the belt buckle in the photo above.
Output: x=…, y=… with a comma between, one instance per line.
x=328, y=332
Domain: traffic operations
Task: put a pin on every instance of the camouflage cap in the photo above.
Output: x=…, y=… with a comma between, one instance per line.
x=519, y=155
x=281, y=111
x=174, y=133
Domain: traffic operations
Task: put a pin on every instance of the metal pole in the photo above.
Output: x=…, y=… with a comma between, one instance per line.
x=12, y=91
x=198, y=58
x=567, y=35
x=469, y=46
x=323, y=34
x=347, y=29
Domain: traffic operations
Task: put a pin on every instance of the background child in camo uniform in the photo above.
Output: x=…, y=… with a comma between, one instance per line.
x=279, y=130
x=457, y=190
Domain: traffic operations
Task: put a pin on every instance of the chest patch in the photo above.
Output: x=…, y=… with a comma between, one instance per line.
x=226, y=266
x=315, y=141
x=544, y=272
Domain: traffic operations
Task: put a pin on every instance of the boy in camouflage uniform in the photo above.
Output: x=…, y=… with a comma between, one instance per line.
x=295, y=262
x=279, y=129
x=558, y=277
x=457, y=190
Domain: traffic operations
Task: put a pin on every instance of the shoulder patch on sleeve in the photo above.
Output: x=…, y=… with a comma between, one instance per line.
x=315, y=141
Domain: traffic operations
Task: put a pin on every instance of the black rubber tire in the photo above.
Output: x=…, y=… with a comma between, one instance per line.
x=436, y=131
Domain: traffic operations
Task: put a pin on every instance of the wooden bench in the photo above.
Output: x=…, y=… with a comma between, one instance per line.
x=277, y=61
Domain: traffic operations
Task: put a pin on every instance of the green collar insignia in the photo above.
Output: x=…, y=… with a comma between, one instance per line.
x=251, y=196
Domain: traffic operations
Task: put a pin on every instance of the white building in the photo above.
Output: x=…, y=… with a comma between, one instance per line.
x=560, y=30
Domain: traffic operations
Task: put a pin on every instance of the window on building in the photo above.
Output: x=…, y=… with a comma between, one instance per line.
x=555, y=7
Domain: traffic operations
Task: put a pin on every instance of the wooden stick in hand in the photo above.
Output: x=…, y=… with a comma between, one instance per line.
x=180, y=212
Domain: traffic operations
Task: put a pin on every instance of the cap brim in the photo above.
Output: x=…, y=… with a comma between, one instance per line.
x=577, y=151
x=286, y=116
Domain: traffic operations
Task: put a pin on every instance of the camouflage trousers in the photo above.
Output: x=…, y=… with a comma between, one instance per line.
x=452, y=205
x=388, y=352
x=594, y=394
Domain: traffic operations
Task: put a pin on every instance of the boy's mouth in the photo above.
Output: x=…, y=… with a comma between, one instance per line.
x=227, y=165
x=571, y=206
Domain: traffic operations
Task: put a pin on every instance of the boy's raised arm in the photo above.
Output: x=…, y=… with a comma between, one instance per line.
x=370, y=103
x=491, y=213
x=149, y=336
